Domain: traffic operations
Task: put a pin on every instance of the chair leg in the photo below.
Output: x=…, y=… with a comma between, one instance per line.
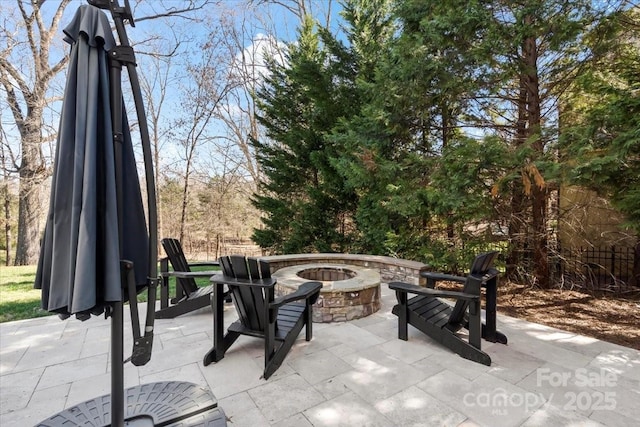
x=308, y=320
x=216, y=354
x=465, y=349
x=270, y=344
x=493, y=336
x=221, y=341
x=279, y=353
x=164, y=283
x=403, y=316
x=501, y=338
x=475, y=324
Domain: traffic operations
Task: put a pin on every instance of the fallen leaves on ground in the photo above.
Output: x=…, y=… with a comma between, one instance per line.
x=610, y=318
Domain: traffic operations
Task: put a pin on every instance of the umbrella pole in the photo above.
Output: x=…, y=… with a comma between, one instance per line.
x=119, y=56
x=117, y=322
x=117, y=366
x=124, y=55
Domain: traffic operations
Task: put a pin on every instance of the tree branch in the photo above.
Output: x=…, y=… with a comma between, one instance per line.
x=12, y=98
x=56, y=68
x=27, y=24
x=175, y=12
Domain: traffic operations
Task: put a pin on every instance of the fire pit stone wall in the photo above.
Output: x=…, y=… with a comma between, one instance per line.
x=391, y=269
x=351, y=283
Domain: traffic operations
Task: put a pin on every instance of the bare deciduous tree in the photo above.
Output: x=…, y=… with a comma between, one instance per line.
x=155, y=84
x=28, y=66
x=26, y=84
x=300, y=8
x=248, y=48
x=207, y=84
x=5, y=151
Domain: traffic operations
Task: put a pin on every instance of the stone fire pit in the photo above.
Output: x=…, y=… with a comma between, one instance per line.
x=348, y=291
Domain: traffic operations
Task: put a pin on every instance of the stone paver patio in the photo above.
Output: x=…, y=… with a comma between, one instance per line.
x=355, y=373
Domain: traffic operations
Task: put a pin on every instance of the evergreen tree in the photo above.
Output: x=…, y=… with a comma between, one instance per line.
x=498, y=68
x=460, y=76
x=601, y=137
x=365, y=140
x=545, y=52
x=436, y=120
x=417, y=101
x=305, y=203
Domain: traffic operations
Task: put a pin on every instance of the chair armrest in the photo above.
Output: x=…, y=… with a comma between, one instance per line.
x=228, y=280
x=188, y=274
x=205, y=264
x=438, y=277
x=304, y=291
x=418, y=290
x=164, y=272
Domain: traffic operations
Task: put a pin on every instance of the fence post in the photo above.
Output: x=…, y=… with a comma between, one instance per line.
x=613, y=261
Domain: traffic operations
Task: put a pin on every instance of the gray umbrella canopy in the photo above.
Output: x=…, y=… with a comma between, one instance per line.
x=83, y=243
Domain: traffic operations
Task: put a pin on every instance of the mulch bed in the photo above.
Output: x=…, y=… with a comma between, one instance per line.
x=607, y=317
x=610, y=318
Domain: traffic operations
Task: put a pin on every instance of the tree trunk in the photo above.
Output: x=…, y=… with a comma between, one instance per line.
x=7, y=222
x=635, y=279
x=185, y=202
x=516, y=233
x=540, y=238
x=516, y=217
x=447, y=129
x=26, y=79
x=28, y=247
x=6, y=198
x=156, y=159
x=32, y=173
x=539, y=193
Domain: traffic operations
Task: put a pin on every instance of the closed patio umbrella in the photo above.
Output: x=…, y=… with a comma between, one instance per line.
x=97, y=251
x=79, y=265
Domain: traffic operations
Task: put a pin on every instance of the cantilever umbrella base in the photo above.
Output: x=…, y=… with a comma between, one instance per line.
x=162, y=403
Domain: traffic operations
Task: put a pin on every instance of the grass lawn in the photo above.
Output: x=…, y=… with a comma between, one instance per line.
x=18, y=299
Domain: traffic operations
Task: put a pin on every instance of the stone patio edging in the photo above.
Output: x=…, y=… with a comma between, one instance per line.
x=391, y=269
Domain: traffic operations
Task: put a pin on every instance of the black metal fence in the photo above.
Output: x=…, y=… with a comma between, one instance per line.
x=212, y=249
x=592, y=269
x=601, y=268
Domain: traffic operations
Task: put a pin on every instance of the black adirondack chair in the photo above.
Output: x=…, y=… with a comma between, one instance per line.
x=276, y=320
x=189, y=296
x=441, y=321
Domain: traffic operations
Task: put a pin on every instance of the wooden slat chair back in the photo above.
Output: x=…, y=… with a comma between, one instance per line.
x=278, y=321
x=481, y=269
x=438, y=319
x=173, y=249
x=250, y=301
x=483, y=262
x=189, y=296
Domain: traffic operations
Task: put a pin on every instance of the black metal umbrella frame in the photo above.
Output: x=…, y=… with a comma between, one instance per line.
x=163, y=403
